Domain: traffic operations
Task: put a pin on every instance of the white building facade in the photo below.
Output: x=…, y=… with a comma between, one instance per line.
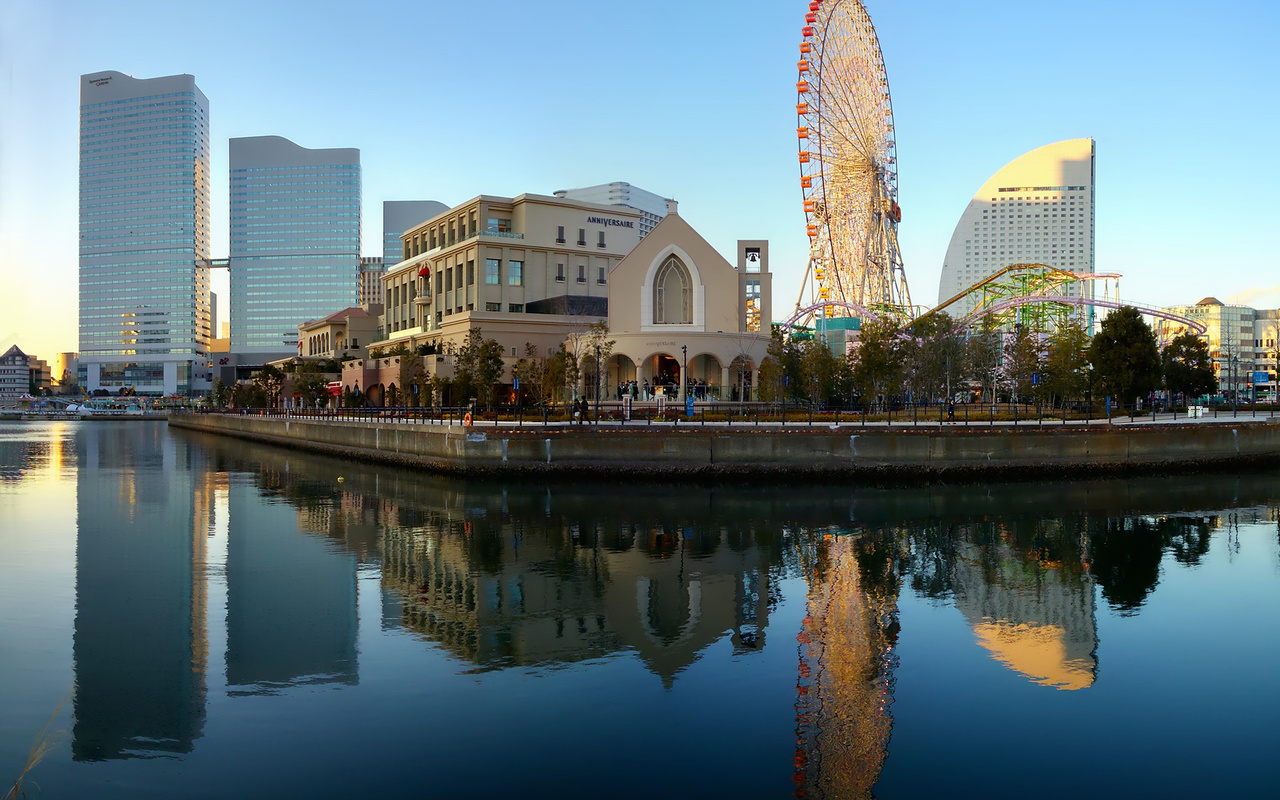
x=295, y=239
x=1037, y=209
x=652, y=207
x=144, y=234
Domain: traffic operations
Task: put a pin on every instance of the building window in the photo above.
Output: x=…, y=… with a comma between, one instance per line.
x=516, y=308
x=448, y=278
x=600, y=243
x=471, y=273
x=582, y=237
x=493, y=306
x=491, y=275
x=560, y=234
x=582, y=273
x=559, y=273
x=672, y=296
x=498, y=225
x=600, y=275
x=515, y=273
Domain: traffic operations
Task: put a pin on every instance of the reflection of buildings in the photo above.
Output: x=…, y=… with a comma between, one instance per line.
x=144, y=512
x=845, y=683
x=1035, y=617
x=504, y=593
x=291, y=597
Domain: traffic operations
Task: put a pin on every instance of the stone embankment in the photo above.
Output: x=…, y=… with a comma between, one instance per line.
x=900, y=454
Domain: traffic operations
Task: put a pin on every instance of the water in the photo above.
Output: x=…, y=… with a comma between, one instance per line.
x=203, y=617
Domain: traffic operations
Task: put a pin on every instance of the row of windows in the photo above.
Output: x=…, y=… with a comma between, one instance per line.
x=104, y=119
x=135, y=141
x=331, y=215
x=278, y=249
x=165, y=164
x=290, y=168
x=259, y=188
x=133, y=133
x=127, y=158
x=1042, y=189
x=142, y=101
x=512, y=308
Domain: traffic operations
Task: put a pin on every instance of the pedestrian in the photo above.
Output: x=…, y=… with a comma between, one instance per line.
x=951, y=410
x=647, y=396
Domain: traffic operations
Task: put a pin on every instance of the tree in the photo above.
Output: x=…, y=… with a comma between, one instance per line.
x=982, y=360
x=478, y=366
x=877, y=370
x=1022, y=356
x=1065, y=363
x=530, y=371
x=413, y=379
x=561, y=373
x=1187, y=368
x=309, y=384
x=268, y=380
x=772, y=378
x=220, y=394
x=937, y=362
x=1125, y=359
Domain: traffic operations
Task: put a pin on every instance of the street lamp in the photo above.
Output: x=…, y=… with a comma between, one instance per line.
x=597, y=384
x=684, y=376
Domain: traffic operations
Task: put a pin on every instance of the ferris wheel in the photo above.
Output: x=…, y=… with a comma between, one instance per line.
x=848, y=168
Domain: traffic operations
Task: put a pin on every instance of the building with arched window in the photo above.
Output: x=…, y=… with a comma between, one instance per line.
x=682, y=316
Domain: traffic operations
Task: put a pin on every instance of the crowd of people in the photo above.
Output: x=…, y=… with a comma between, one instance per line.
x=698, y=389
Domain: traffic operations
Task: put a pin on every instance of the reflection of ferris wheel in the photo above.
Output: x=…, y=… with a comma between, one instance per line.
x=848, y=167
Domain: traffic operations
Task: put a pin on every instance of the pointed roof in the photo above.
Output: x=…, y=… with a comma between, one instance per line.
x=15, y=351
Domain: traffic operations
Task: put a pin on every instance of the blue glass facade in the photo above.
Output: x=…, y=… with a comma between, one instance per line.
x=295, y=239
x=144, y=233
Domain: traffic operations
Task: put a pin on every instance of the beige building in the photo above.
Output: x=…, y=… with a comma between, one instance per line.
x=15, y=376
x=1242, y=344
x=341, y=335
x=674, y=301
x=534, y=270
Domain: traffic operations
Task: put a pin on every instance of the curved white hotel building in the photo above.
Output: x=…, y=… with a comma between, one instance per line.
x=1038, y=209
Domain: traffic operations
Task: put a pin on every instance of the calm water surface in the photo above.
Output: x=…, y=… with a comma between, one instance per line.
x=202, y=617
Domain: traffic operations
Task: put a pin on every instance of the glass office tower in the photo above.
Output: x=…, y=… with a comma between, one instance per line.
x=295, y=240
x=144, y=234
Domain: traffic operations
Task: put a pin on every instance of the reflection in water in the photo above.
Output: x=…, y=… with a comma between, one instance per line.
x=1032, y=608
x=845, y=679
x=530, y=576
x=512, y=589
x=291, y=598
x=144, y=506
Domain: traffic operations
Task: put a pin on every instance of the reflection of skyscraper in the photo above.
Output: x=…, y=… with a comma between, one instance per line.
x=291, y=600
x=1035, y=618
x=845, y=684
x=140, y=616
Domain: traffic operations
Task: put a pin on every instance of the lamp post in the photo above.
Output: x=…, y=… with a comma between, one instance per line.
x=684, y=376
x=597, y=384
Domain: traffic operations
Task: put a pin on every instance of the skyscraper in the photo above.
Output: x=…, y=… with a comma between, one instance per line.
x=144, y=233
x=1037, y=209
x=295, y=239
x=399, y=216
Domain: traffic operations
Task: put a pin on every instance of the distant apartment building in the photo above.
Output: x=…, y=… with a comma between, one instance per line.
x=399, y=216
x=370, y=290
x=66, y=366
x=144, y=234
x=15, y=376
x=1242, y=343
x=652, y=207
x=295, y=239
x=1037, y=209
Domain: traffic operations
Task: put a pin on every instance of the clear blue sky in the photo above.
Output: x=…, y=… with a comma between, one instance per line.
x=690, y=100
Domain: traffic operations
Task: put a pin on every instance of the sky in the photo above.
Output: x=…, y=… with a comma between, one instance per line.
x=694, y=101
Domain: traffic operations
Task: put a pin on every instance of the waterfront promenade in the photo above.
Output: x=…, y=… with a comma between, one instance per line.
x=910, y=450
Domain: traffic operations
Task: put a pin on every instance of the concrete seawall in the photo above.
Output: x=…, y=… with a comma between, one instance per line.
x=848, y=450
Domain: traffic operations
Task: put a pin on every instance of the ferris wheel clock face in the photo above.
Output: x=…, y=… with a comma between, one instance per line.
x=848, y=166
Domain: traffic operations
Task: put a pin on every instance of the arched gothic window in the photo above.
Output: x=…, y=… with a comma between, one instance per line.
x=672, y=294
